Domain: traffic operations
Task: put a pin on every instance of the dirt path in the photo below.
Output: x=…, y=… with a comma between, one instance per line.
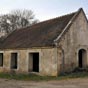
x=70, y=83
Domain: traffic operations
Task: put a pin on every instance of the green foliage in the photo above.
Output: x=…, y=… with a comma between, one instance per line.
x=33, y=77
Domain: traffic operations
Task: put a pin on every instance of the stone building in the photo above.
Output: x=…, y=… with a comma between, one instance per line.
x=48, y=48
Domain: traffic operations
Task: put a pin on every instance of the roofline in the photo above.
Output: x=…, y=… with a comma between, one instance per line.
x=48, y=47
x=69, y=24
x=84, y=14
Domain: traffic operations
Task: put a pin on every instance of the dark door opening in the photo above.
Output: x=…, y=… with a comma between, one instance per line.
x=82, y=57
x=13, y=60
x=34, y=62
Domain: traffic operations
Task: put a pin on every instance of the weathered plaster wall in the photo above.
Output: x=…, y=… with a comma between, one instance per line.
x=47, y=61
x=76, y=38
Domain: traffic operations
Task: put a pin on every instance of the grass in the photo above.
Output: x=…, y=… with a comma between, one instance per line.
x=33, y=77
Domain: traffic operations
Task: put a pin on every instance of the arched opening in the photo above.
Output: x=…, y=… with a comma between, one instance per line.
x=82, y=58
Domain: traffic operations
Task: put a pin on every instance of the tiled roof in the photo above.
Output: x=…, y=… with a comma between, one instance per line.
x=39, y=35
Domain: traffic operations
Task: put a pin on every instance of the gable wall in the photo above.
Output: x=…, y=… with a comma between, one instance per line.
x=75, y=38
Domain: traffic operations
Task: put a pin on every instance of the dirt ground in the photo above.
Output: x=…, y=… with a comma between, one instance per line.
x=69, y=83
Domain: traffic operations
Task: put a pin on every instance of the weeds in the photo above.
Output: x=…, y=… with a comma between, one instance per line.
x=33, y=77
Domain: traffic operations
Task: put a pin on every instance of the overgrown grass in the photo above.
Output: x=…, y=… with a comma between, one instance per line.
x=33, y=77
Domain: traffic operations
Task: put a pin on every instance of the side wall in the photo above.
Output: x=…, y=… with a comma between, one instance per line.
x=47, y=61
x=76, y=38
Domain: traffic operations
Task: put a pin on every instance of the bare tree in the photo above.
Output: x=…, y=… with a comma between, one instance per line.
x=4, y=25
x=24, y=17
x=17, y=19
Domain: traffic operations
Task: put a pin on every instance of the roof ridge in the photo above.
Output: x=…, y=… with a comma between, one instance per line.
x=68, y=24
x=51, y=19
x=41, y=22
x=45, y=21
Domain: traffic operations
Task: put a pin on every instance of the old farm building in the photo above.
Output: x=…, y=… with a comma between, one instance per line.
x=49, y=47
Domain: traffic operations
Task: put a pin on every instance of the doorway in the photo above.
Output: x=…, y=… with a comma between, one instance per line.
x=82, y=58
x=14, y=60
x=34, y=62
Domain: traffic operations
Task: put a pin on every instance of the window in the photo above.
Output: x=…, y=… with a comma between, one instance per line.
x=1, y=59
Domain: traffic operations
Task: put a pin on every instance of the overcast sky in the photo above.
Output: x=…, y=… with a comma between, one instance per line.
x=44, y=9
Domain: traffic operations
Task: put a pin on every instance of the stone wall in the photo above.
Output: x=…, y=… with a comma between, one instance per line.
x=47, y=61
x=75, y=38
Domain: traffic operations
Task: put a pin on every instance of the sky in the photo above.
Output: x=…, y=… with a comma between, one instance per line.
x=44, y=9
